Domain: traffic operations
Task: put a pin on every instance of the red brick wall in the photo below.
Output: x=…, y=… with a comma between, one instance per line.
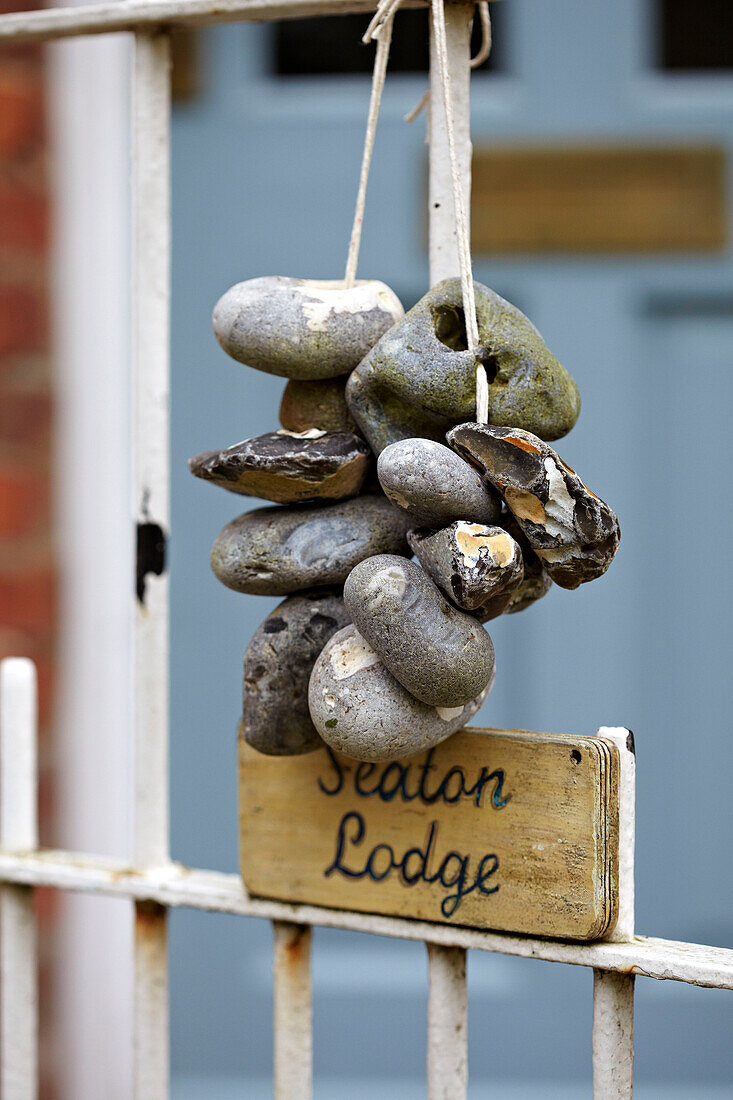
x=27, y=575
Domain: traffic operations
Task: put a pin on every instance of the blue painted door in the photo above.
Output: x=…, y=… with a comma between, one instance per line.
x=265, y=174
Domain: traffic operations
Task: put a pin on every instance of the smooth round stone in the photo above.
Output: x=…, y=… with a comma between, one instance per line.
x=472, y=563
x=359, y=708
x=302, y=328
x=572, y=531
x=277, y=667
x=321, y=404
x=275, y=551
x=433, y=485
x=420, y=379
x=441, y=655
x=289, y=467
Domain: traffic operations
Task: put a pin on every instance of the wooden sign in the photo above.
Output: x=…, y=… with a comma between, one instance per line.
x=599, y=198
x=500, y=829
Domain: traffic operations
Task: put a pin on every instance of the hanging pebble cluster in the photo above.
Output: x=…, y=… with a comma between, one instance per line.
x=371, y=652
x=376, y=655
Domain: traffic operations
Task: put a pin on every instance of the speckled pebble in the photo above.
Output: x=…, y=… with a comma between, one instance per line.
x=275, y=551
x=419, y=379
x=289, y=467
x=361, y=710
x=302, y=328
x=575, y=534
x=473, y=564
x=433, y=485
x=320, y=404
x=441, y=655
x=277, y=667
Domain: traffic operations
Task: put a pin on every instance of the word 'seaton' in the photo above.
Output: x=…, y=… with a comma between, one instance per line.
x=409, y=782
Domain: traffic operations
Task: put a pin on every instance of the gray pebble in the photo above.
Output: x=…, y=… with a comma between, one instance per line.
x=301, y=328
x=275, y=551
x=420, y=378
x=289, y=467
x=277, y=668
x=474, y=564
x=441, y=655
x=433, y=485
x=572, y=531
x=361, y=710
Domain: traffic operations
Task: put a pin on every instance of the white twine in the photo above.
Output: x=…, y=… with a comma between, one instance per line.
x=459, y=213
x=380, y=29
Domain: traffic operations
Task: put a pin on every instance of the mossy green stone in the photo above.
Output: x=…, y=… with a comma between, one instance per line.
x=420, y=379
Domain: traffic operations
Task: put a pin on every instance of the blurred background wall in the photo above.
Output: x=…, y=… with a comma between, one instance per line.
x=632, y=291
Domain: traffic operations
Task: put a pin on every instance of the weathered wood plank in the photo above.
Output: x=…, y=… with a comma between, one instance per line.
x=500, y=829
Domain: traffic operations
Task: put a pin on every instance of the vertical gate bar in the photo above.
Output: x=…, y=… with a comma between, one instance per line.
x=151, y=296
x=447, y=1023
x=293, y=1011
x=18, y=831
x=613, y=1035
x=613, y=993
x=447, y=1060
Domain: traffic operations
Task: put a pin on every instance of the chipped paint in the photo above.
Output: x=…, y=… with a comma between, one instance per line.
x=351, y=656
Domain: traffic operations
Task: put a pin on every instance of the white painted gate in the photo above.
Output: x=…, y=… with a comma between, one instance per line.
x=155, y=884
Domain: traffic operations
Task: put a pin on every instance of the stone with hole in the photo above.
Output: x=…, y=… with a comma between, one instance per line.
x=443, y=656
x=572, y=531
x=276, y=551
x=360, y=709
x=420, y=379
x=289, y=467
x=473, y=564
x=277, y=667
x=302, y=328
x=433, y=485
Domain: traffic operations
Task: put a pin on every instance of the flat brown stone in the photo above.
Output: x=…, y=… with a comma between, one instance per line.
x=289, y=467
x=318, y=404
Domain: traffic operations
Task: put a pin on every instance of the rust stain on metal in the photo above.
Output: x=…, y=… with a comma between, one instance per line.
x=297, y=948
x=148, y=915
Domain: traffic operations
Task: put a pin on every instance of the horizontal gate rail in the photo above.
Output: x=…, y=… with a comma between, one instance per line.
x=132, y=15
x=176, y=885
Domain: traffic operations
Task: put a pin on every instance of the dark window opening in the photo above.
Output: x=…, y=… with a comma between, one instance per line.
x=331, y=45
x=695, y=36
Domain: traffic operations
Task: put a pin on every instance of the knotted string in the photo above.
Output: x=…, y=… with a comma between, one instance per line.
x=380, y=28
